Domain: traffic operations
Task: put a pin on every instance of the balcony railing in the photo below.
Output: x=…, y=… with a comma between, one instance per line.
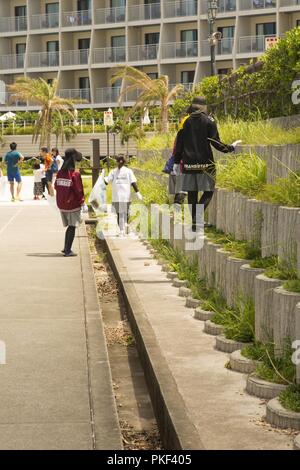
x=110, y=15
x=253, y=44
x=181, y=8
x=43, y=59
x=76, y=94
x=8, y=99
x=143, y=52
x=77, y=18
x=45, y=21
x=257, y=4
x=289, y=3
x=13, y=61
x=225, y=6
x=223, y=47
x=177, y=50
x=108, y=94
x=13, y=24
x=109, y=55
x=76, y=57
x=144, y=12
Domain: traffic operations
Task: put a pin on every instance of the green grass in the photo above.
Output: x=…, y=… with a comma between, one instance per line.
x=157, y=142
x=154, y=164
x=238, y=249
x=284, y=192
x=292, y=285
x=284, y=270
x=264, y=263
x=290, y=398
x=245, y=173
x=277, y=369
x=257, y=132
x=254, y=351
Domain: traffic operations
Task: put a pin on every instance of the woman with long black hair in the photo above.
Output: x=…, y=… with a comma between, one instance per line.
x=70, y=197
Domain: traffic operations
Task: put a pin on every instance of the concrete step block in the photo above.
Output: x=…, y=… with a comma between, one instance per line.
x=279, y=417
x=263, y=389
x=212, y=328
x=228, y=345
x=192, y=303
x=242, y=364
x=203, y=315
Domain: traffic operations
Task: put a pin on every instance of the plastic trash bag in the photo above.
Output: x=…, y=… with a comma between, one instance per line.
x=2, y=187
x=97, y=197
x=52, y=203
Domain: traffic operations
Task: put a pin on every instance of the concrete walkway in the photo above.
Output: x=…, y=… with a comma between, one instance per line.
x=55, y=388
x=207, y=403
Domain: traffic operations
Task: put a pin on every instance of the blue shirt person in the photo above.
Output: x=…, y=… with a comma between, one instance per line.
x=12, y=160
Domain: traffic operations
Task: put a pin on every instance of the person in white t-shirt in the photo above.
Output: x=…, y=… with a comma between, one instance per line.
x=122, y=178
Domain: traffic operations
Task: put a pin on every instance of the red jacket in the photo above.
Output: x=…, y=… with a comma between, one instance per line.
x=69, y=190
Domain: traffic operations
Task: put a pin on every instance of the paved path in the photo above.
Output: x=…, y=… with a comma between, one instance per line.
x=55, y=388
x=213, y=397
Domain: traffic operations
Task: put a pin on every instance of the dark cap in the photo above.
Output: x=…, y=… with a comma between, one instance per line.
x=73, y=153
x=200, y=100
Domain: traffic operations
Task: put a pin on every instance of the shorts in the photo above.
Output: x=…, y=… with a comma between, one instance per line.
x=73, y=219
x=13, y=175
x=49, y=176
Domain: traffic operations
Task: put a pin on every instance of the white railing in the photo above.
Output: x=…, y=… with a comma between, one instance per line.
x=181, y=8
x=76, y=94
x=13, y=24
x=186, y=86
x=142, y=52
x=110, y=15
x=107, y=94
x=224, y=46
x=43, y=59
x=44, y=21
x=109, y=54
x=257, y=4
x=253, y=44
x=176, y=50
x=76, y=57
x=144, y=12
x=77, y=18
x=12, y=61
x=8, y=99
x=224, y=6
x=290, y=3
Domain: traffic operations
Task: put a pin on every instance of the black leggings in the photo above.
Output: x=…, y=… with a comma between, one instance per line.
x=193, y=201
x=69, y=238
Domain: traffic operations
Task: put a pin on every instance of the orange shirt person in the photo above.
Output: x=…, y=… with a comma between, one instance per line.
x=47, y=159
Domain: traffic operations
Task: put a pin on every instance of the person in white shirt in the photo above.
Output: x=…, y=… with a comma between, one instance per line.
x=38, y=174
x=122, y=178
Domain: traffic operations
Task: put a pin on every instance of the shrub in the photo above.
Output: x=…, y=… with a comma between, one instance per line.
x=290, y=398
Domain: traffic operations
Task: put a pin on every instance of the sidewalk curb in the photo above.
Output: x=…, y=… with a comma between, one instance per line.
x=107, y=433
x=176, y=428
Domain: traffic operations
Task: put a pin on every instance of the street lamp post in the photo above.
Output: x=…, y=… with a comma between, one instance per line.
x=212, y=11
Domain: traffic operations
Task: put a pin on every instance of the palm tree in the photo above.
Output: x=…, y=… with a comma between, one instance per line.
x=53, y=107
x=152, y=91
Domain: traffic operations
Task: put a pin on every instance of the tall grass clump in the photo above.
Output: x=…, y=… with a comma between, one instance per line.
x=257, y=132
x=284, y=191
x=155, y=164
x=157, y=141
x=246, y=173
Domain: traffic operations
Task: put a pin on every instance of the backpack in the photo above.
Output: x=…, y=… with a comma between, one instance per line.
x=169, y=165
x=54, y=166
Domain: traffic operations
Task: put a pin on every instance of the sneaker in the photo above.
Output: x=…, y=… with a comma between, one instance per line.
x=71, y=253
x=13, y=199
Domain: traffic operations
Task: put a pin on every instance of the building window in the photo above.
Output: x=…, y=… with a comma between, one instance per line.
x=298, y=23
x=20, y=18
x=226, y=31
x=151, y=38
x=20, y=52
x=83, y=5
x=20, y=11
x=50, y=81
x=153, y=75
x=52, y=49
x=189, y=35
x=84, y=43
x=266, y=29
x=223, y=71
x=52, y=12
x=118, y=49
x=187, y=76
x=52, y=8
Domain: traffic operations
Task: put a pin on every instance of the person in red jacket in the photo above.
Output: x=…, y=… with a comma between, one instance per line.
x=70, y=197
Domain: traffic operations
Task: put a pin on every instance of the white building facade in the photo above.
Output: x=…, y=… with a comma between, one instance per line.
x=81, y=42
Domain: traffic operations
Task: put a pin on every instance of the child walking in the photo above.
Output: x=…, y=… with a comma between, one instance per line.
x=70, y=197
x=122, y=178
x=38, y=185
